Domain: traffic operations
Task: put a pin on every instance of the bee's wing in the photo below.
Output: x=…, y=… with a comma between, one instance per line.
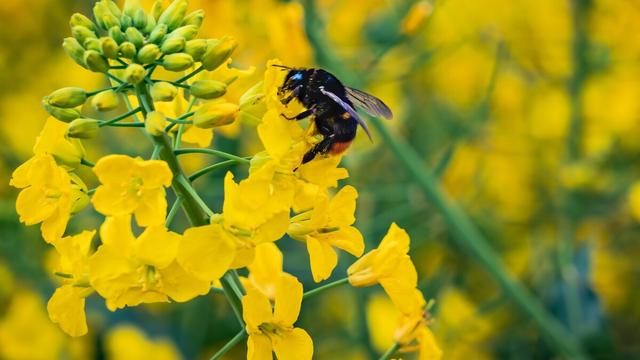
x=348, y=108
x=369, y=103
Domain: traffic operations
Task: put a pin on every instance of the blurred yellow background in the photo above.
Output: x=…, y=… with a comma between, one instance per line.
x=527, y=111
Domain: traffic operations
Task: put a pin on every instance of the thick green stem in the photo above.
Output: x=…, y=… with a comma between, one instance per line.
x=389, y=353
x=325, y=287
x=228, y=346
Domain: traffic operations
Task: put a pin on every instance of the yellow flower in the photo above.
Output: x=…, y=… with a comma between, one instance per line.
x=132, y=186
x=66, y=306
x=127, y=271
x=272, y=330
x=126, y=342
x=206, y=251
x=633, y=199
x=47, y=196
x=191, y=134
x=412, y=332
x=53, y=140
x=265, y=270
x=327, y=226
x=390, y=266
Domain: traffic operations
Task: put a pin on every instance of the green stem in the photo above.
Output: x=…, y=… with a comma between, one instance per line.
x=228, y=346
x=177, y=141
x=96, y=92
x=118, y=118
x=389, y=353
x=233, y=295
x=173, y=211
x=210, y=168
x=326, y=287
x=218, y=153
x=190, y=75
x=86, y=162
x=114, y=78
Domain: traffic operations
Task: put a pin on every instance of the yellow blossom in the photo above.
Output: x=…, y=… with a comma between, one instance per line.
x=127, y=271
x=126, y=342
x=53, y=140
x=132, y=185
x=272, y=330
x=265, y=270
x=206, y=251
x=191, y=134
x=412, y=332
x=66, y=306
x=390, y=266
x=47, y=195
x=327, y=226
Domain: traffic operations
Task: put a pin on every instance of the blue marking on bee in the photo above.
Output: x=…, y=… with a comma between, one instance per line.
x=297, y=76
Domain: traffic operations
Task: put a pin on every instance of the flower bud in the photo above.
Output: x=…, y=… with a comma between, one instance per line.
x=93, y=44
x=187, y=32
x=196, y=48
x=67, y=97
x=174, y=14
x=416, y=17
x=83, y=128
x=177, y=62
x=156, y=10
x=158, y=33
x=79, y=199
x=116, y=34
x=111, y=21
x=218, y=51
x=75, y=51
x=82, y=33
x=113, y=8
x=173, y=45
x=62, y=114
x=252, y=105
x=134, y=36
x=95, y=61
x=131, y=7
x=78, y=19
x=299, y=230
x=99, y=12
x=151, y=24
x=109, y=47
x=163, y=91
x=140, y=19
x=105, y=101
x=155, y=123
x=194, y=18
x=148, y=54
x=126, y=21
x=134, y=73
x=127, y=50
x=208, y=89
x=215, y=114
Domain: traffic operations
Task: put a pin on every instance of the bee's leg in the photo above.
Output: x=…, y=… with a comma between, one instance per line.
x=300, y=116
x=320, y=148
x=291, y=96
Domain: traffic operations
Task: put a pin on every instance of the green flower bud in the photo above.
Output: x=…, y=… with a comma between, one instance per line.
x=134, y=36
x=151, y=24
x=100, y=10
x=158, y=33
x=156, y=10
x=67, y=97
x=82, y=33
x=252, y=105
x=174, y=14
x=208, y=89
x=134, y=73
x=83, y=128
x=116, y=34
x=148, y=54
x=75, y=51
x=218, y=51
x=140, y=19
x=126, y=21
x=78, y=19
x=194, y=18
x=131, y=7
x=109, y=21
x=95, y=61
x=215, y=114
x=93, y=44
x=113, y=8
x=62, y=114
x=127, y=50
x=196, y=48
x=173, y=45
x=177, y=62
x=187, y=32
x=109, y=47
x=163, y=91
x=155, y=123
x=105, y=101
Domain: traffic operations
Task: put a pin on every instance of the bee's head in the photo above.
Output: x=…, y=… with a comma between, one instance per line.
x=294, y=78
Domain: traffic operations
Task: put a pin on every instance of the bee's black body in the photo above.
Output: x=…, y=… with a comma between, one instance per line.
x=329, y=101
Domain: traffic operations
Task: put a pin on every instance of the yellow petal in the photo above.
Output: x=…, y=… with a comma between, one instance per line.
x=348, y=239
x=113, y=169
x=152, y=208
x=182, y=286
x=322, y=257
x=198, y=136
x=323, y=172
x=206, y=251
x=154, y=173
x=113, y=201
x=407, y=299
x=33, y=206
x=398, y=235
x=429, y=349
x=288, y=300
x=53, y=228
x=293, y=345
x=20, y=176
x=116, y=232
x=156, y=246
x=273, y=133
x=256, y=310
x=343, y=206
x=66, y=309
x=259, y=347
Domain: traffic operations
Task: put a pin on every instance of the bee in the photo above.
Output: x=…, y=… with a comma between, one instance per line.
x=332, y=106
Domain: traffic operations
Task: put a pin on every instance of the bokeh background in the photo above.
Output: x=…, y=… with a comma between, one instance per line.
x=526, y=112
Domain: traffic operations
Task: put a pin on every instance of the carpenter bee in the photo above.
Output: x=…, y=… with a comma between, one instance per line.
x=332, y=106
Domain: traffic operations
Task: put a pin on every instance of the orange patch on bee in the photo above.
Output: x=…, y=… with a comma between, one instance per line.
x=345, y=115
x=339, y=147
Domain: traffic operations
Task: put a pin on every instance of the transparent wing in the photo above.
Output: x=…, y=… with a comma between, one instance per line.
x=348, y=108
x=369, y=103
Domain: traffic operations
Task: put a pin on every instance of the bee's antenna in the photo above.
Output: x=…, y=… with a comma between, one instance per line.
x=282, y=67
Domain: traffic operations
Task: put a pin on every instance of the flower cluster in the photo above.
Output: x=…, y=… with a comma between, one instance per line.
x=139, y=259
